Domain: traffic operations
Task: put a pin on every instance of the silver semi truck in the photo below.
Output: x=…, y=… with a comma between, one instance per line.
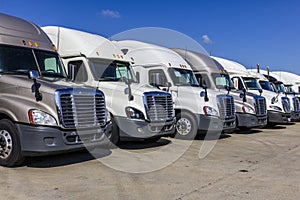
x=41, y=112
x=251, y=110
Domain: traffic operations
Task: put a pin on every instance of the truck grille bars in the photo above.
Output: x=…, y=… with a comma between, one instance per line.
x=159, y=106
x=286, y=104
x=80, y=108
x=296, y=104
x=226, y=106
x=260, y=105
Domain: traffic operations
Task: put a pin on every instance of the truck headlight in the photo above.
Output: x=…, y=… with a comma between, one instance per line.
x=134, y=113
x=247, y=109
x=210, y=111
x=276, y=108
x=38, y=117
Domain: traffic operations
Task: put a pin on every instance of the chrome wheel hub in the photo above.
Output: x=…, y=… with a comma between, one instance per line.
x=183, y=126
x=5, y=144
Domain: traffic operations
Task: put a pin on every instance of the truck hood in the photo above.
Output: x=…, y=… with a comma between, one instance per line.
x=137, y=89
x=48, y=85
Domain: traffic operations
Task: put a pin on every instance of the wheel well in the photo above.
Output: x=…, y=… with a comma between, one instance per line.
x=177, y=111
x=4, y=116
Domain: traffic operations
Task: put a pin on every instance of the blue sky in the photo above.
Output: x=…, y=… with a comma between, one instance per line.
x=248, y=31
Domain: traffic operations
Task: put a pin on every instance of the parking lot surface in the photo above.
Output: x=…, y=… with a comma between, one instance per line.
x=257, y=164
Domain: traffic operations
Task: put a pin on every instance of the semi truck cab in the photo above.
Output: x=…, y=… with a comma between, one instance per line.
x=195, y=107
x=250, y=109
x=41, y=112
x=138, y=111
x=285, y=90
x=278, y=109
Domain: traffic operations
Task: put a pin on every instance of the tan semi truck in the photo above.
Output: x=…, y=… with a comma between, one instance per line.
x=41, y=112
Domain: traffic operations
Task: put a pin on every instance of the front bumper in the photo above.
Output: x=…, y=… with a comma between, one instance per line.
x=132, y=128
x=295, y=116
x=246, y=120
x=40, y=140
x=215, y=124
x=275, y=117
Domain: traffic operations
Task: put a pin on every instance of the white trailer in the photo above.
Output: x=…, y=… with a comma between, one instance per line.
x=250, y=109
x=196, y=109
x=278, y=106
x=138, y=111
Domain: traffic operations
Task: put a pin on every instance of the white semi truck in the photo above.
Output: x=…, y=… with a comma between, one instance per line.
x=285, y=87
x=292, y=81
x=41, y=112
x=195, y=107
x=278, y=107
x=251, y=110
x=137, y=111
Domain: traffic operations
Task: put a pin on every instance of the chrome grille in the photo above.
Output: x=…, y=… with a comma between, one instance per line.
x=260, y=106
x=226, y=106
x=296, y=105
x=286, y=104
x=159, y=106
x=81, y=108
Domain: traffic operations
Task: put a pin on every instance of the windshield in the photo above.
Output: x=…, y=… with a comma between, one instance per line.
x=19, y=60
x=222, y=81
x=289, y=89
x=183, y=77
x=280, y=87
x=251, y=84
x=266, y=85
x=105, y=70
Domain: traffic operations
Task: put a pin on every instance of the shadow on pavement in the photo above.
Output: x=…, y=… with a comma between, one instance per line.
x=66, y=158
x=246, y=132
x=135, y=145
x=212, y=136
x=277, y=127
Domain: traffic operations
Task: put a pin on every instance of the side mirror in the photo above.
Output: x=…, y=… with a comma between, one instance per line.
x=228, y=89
x=33, y=74
x=204, y=93
x=274, y=100
x=128, y=82
x=204, y=85
x=260, y=91
x=168, y=85
x=244, y=95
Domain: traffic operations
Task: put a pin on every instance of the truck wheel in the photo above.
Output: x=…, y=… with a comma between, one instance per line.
x=114, y=137
x=10, y=148
x=186, y=126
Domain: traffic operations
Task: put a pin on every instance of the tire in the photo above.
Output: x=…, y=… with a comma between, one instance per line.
x=186, y=126
x=114, y=137
x=10, y=148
